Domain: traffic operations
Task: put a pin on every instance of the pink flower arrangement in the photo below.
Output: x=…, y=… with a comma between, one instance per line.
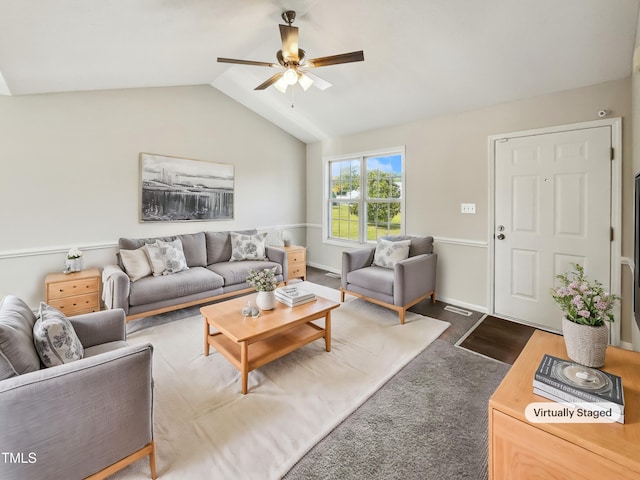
x=583, y=301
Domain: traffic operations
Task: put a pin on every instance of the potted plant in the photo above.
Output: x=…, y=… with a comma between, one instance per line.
x=586, y=308
x=265, y=283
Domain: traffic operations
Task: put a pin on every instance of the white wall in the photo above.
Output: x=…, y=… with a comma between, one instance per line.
x=447, y=164
x=70, y=174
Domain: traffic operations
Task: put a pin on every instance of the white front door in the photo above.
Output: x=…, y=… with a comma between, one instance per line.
x=552, y=209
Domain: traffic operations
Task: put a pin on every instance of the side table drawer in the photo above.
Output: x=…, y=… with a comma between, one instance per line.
x=296, y=270
x=72, y=287
x=88, y=302
x=298, y=256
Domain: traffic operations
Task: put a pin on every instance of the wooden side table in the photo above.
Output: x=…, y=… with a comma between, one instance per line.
x=297, y=260
x=519, y=449
x=74, y=293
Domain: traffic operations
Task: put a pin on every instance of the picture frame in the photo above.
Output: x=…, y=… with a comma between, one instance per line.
x=174, y=189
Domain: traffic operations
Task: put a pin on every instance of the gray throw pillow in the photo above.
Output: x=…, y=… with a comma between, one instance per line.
x=54, y=337
x=17, y=352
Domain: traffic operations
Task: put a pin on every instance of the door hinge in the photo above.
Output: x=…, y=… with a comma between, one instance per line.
x=612, y=153
x=611, y=236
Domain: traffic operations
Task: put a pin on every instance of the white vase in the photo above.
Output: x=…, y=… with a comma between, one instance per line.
x=585, y=344
x=73, y=264
x=266, y=300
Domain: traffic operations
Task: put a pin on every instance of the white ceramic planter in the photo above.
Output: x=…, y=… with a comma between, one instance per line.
x=266, y=300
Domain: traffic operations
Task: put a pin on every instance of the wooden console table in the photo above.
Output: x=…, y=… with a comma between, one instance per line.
x=519, y=449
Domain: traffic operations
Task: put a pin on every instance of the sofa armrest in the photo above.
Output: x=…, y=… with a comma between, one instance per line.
x=355, y=260
x=414, y=277
x=65, y=418
x=278, y=255
x=115, y=288
x=100, y=327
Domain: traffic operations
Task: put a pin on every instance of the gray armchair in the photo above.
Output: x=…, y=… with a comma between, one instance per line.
x=84, y=419
x=399, y=288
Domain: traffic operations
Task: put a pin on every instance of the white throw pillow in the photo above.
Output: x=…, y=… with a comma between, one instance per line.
x=136, y=263
x=155, y=258
x=247, y=247
x=389, y=253
x=54, y=337
x=173, y=256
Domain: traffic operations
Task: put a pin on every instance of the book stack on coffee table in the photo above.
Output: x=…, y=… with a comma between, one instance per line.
x=566, y=381
x=293, y=296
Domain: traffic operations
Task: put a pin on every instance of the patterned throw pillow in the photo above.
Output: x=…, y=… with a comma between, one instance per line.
x=173, y=256
x=389, y=253
x=155, y=258
x=54, y=337
x=247, y=247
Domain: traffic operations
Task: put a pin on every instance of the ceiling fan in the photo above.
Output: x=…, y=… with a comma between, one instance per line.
x=292, y=59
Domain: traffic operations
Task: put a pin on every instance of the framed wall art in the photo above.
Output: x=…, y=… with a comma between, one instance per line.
x=176, y=189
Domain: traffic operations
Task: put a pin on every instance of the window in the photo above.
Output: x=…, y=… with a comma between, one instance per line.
x=365, y=197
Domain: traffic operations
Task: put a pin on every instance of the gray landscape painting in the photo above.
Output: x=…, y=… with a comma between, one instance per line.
x=177, y=190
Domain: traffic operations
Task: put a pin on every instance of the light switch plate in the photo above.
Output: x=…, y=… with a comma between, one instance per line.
x=467, y=208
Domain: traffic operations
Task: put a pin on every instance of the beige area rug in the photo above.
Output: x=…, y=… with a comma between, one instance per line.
x=205, y=428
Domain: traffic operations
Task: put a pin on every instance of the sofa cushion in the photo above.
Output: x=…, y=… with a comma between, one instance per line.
x=219, y=245
x=17, y=351
x=237, y=272
x=376, y=279
x=136, y=263
x=194, y=246
x=173, y=256
x=419, y=244
x=247, y=247
x=187, y=282
x=389, y=253
x=55, y=338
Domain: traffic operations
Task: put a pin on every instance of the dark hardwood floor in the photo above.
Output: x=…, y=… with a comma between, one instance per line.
x=493, y=337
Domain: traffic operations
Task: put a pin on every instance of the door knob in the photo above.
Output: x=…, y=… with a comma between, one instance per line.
x=501, y=236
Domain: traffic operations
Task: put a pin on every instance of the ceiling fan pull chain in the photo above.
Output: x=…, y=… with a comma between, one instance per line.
x=292, y=95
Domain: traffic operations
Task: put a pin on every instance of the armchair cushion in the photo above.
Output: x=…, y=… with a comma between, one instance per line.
x=419, y=244
x=374, y=278
x=17, y=352
x=55, y=339
x=388, y=253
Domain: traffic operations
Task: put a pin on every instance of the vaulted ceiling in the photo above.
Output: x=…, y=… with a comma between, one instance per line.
x=423, y=58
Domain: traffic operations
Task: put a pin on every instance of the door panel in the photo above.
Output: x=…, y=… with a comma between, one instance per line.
x=552, y=204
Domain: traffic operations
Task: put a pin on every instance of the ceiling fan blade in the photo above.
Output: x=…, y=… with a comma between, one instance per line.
x=289, y=37
x=270, y=81
x=317, y=81
x=247, y=62
x=336, y=59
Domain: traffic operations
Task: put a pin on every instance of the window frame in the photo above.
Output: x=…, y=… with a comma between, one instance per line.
x=363, y=199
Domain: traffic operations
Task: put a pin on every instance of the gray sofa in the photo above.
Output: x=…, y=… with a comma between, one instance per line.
x=211, y=275
x=408, y=282
x=91, y=416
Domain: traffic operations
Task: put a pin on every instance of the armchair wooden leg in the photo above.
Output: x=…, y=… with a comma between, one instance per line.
x=152, y=461
x=341, y=296
x=401, y=313
x=433, y=297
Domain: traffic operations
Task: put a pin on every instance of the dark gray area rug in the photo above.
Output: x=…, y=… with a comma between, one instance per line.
x=428, y=422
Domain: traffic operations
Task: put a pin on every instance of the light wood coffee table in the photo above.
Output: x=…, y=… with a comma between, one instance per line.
x=249, y=343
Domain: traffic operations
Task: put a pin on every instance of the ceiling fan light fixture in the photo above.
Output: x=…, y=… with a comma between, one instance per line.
x=290, y=76
x=281, y=85
x=304, y=81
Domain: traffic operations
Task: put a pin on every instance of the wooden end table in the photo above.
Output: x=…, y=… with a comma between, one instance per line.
x=248, y=343
x=519, y=449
